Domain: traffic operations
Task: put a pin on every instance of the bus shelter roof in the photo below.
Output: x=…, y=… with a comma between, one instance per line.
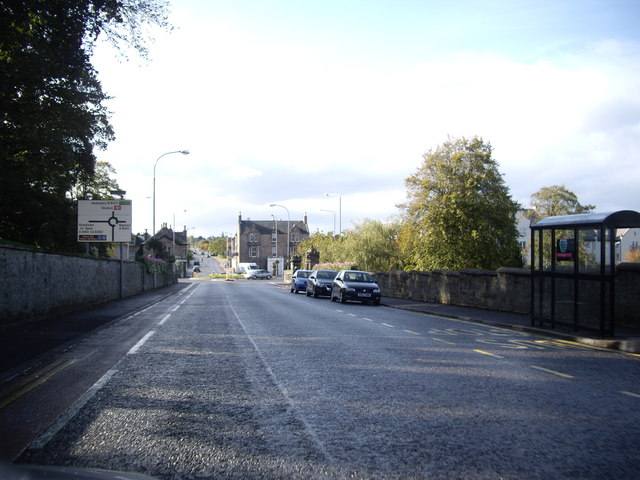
x=619, y=219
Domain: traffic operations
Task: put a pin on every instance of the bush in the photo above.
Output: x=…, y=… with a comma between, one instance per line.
x=335, y=266
x=153, y=265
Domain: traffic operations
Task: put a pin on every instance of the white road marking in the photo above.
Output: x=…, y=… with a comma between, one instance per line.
x=140, y=343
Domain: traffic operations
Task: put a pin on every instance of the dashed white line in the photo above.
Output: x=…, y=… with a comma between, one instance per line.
x=166, y=317
x=141, y=342
x=411, y=332
x=387, y=325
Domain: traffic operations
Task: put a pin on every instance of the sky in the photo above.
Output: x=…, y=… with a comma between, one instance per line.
x=284, y=101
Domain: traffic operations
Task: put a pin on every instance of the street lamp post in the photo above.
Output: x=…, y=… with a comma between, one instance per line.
x=339, y=208
x=334, y=219
x=183, y=152
x=288, y=230
x=275, y=220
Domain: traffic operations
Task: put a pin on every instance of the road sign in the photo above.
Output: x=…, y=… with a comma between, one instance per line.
x=104, y=220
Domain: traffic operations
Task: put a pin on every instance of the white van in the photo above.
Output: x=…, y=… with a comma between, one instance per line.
x=246, y=267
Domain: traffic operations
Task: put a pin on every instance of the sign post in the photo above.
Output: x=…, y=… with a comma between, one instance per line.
x=106, y=221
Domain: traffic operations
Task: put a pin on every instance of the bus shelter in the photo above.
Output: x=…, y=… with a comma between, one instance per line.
x=573, y=267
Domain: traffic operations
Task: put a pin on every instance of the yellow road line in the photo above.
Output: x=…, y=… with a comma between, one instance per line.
x=488, y=353
x=560, y=374
x=28, y=384
x=631, y=394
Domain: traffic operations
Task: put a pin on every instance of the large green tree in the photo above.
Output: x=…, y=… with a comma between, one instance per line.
x=459, y=213
x=52, y=112
x=557, y=200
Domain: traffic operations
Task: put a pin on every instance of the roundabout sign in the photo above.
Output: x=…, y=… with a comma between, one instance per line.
x=104, y=221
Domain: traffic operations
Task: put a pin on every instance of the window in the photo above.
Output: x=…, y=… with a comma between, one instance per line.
x=253, y=251
x=274, y=252
x=295, y=237
x=253, y=237
x=274, y=237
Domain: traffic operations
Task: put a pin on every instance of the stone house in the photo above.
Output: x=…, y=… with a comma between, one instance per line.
x=175, y=244
x=265, y=241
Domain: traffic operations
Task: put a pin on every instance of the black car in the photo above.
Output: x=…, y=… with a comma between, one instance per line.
x=319, y=283
x=355, y=285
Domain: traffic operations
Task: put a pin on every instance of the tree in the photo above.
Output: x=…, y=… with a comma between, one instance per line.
x=459, y=213
x=97, y=186
x=557, y=200
x=52, y=113
x=373, y=245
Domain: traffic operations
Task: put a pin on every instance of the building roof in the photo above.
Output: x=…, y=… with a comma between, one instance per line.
x=266, y=226
x=167, y=232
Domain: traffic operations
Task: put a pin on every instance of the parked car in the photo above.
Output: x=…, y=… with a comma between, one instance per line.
x=257, y=273
x=299, y=281
x=196, y=268
x=355, y=285
x=319, y=283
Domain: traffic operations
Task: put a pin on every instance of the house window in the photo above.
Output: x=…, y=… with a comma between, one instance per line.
x=253, y=237
x=253, y=251
x=274, y=251
x=295, y=237
x=274, y=237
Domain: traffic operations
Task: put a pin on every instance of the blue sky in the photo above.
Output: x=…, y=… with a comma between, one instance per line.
x=284, y=101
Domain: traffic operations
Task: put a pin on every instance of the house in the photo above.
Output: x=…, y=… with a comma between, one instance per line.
x=265, y=241
x=175, y=244
x=523, y=224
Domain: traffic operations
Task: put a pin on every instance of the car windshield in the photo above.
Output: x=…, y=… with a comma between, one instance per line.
x=327, y=274
x=358, y=277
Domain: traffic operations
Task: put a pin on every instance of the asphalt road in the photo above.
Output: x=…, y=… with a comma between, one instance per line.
x=246, y=380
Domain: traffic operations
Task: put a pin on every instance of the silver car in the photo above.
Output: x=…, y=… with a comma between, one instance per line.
x=257, y=273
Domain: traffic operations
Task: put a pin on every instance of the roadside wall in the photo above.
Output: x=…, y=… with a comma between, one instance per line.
x=508, y=289
x=35, y=284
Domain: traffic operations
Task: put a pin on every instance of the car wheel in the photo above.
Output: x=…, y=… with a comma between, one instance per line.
x=292, y=289
x=268, y=277
x=333, y=299
x=306, y=292
x=342, y=297
x=376, y=302
x=315, y=293
x=253, y=278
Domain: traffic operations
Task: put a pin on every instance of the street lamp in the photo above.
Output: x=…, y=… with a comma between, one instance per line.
x=334, y=219
x=275, y=220
x=183, y=152
x=288, y=229
x=339, y=208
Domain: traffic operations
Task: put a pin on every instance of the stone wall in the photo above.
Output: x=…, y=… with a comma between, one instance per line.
x=35, y=284
x=508, y=289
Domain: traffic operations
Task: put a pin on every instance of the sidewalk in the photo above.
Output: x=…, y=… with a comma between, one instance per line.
x=26, y=343
x=626, y=339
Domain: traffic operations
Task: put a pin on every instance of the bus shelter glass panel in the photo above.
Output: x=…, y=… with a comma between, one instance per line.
x=590, y=250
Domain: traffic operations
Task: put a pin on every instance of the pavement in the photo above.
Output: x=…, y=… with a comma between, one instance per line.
x=23, y=345
x=627, y=339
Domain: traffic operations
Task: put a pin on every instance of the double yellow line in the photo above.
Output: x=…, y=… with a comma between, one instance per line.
x=15, y=391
